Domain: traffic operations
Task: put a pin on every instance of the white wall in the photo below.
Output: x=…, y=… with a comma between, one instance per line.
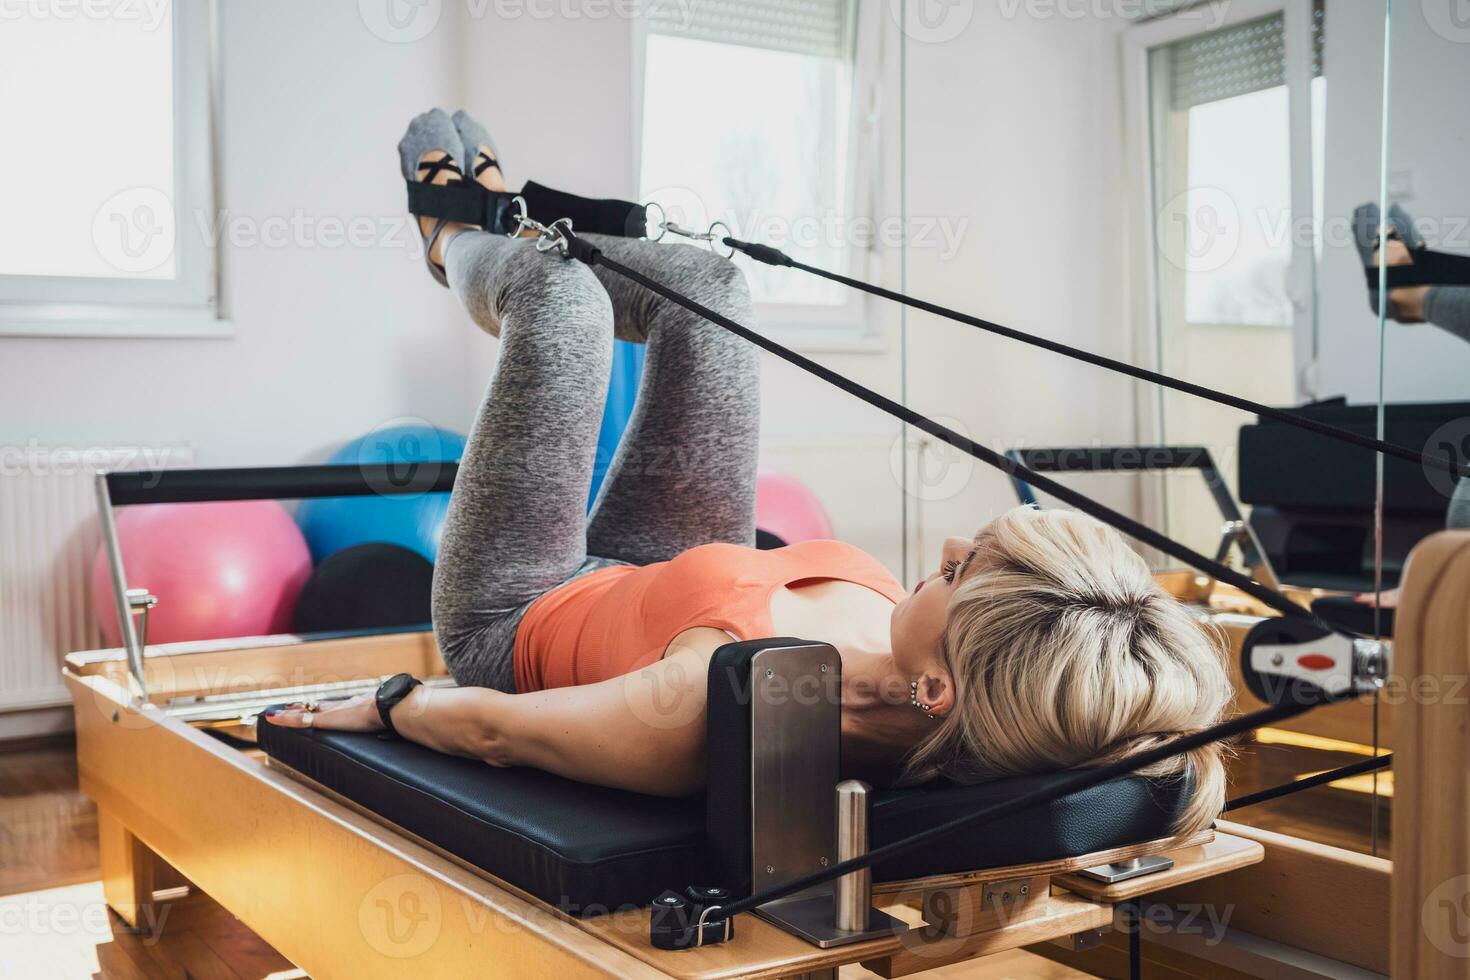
x=329, y=342
x=1429, y=145
x=1016, y=126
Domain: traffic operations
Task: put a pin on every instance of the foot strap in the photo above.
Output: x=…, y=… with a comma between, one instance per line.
x=601, y=216
x=497, y=211
x=1428, y=269
x=465, y=202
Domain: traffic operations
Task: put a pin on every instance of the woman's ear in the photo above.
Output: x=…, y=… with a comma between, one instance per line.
x=936, y=689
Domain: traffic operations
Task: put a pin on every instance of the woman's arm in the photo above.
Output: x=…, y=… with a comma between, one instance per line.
x=643, y=731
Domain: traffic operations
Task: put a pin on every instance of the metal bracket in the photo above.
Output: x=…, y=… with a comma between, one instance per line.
x=1132, y=868
x=835, y=916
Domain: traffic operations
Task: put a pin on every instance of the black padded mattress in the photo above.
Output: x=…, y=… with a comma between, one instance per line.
x=587, y=849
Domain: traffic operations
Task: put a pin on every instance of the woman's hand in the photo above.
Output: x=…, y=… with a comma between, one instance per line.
x=359, y=714
x=1390, y=599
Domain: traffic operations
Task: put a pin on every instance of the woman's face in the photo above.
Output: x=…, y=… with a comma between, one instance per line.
x=917, y=624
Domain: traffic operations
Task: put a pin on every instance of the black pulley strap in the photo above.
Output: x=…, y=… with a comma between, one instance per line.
x=496, y=211
x=1427, y=269
x=466, y=202
x=602, y=216
x=1311, y=782
x=776, y=257
x=579, y=248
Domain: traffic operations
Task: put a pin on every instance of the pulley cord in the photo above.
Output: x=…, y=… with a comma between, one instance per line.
x=773, y=256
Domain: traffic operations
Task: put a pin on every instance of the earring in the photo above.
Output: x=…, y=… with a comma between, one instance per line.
x=914, y=700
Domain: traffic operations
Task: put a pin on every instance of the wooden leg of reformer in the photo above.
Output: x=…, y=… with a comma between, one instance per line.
x=1431, y=740
x=129, y=873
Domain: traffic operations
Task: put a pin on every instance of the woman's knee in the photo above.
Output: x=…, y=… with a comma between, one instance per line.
x=556, y=288
x=712, y=280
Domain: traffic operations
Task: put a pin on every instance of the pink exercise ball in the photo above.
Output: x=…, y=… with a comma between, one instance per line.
x=786, y=508
x=219, y=569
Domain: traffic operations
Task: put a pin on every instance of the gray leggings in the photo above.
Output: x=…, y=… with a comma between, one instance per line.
x=683, y=475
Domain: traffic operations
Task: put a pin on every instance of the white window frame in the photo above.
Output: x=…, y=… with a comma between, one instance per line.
x=1138, y=41
x=188, y=304
x=851, y=327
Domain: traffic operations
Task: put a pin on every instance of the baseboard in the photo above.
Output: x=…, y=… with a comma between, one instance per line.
x=35, y=723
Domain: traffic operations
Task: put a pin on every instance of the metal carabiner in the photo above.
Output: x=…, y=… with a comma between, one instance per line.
x=710, y=236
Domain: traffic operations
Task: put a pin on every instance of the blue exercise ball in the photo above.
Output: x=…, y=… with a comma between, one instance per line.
x=414, y=521
x=622, y=395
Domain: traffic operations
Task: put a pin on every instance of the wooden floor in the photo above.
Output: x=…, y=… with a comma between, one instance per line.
x=54, y=923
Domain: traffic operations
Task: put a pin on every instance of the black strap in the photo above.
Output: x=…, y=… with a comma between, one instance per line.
x=1427, y=269
x=474, y=204
x=466, y=202
x=601, y=216
x=1311, y=782
x=772, y=256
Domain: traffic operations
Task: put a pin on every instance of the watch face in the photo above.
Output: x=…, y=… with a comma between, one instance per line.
x=396, y=687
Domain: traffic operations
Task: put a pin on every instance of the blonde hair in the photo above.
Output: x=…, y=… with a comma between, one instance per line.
x=1066, y=653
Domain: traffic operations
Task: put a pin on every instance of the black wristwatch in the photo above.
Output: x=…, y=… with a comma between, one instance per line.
x=390, y=692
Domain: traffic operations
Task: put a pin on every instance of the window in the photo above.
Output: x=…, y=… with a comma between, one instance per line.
x=1223, y=171
x=769, y=154
x=1235, y=118
x=111, y=170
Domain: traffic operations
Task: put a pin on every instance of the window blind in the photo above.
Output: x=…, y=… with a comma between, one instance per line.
x=811, y=27
x=1237, y=60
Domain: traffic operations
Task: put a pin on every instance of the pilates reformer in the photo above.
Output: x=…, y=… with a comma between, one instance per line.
x=512, y=882
x=774, y=836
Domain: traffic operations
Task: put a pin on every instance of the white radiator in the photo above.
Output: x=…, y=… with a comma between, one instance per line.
x=48, y=539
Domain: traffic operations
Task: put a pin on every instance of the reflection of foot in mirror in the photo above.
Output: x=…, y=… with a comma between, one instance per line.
x=1406, y=303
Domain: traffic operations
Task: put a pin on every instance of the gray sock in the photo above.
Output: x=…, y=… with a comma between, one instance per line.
x=472, y=136
x=432, y=130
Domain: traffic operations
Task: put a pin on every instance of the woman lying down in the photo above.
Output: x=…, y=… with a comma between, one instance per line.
x=581, y=643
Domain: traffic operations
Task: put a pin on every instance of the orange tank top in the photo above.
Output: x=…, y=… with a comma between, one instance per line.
x=617, y=620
